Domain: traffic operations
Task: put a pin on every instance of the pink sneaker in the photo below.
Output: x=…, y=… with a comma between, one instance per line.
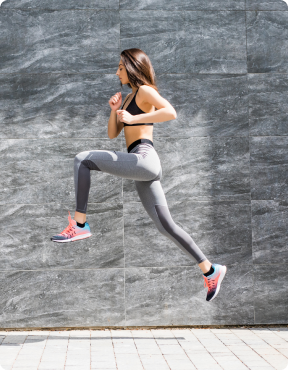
x=213, y=282
x=72, y=232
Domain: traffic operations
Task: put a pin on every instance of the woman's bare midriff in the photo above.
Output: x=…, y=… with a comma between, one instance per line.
x=134, y=133
x=137, y=132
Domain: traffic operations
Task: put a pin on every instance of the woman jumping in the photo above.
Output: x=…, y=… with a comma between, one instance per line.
x=141, y=162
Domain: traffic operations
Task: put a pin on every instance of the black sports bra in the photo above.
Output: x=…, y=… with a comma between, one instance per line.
x=134, y=110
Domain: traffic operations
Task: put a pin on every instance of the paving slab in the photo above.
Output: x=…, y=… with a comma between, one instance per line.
x=161, y=349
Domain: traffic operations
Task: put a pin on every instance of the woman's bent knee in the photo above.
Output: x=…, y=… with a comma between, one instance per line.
x=81, y=156
x=83, y=159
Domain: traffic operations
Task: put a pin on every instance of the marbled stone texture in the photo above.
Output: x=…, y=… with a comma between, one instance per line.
x=217, y=48
x=267, y=41
x=266, y=5
x=206, y=105
x=42, y=41
x=223, y=67
x=270, y=294
x=268, y=108
x=176, y=296
x=270, y=231
x=52, y=105
x=27, y=229
x=269, y=165
x=62, y=298
x=61, y=4
x=181, y=5
x=190, y=41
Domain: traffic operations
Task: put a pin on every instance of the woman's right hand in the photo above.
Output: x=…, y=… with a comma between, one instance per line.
x=115, y=101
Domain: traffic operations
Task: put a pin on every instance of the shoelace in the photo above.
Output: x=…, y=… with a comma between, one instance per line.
x=209, y=283
x=69, y=229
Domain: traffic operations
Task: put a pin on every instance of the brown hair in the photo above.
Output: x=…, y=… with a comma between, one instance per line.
x=139, y=68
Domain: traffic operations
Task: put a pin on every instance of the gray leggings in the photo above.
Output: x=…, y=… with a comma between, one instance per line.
x=141, y=164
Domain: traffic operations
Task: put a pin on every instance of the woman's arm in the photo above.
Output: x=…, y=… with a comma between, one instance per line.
x=165, y=111
x=114, y=124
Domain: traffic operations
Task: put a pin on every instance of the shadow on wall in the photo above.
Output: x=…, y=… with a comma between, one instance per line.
x=208, y=188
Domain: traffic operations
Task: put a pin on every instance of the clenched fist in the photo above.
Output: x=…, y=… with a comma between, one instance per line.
x=115, y=101
x=125, y=116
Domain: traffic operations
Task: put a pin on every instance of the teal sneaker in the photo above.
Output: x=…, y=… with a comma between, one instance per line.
x=214, y=280
x=72, y=232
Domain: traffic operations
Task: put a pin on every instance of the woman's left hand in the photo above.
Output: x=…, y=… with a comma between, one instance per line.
x=125, y=116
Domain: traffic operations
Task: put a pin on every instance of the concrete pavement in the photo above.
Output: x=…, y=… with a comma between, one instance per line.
x=159, y=349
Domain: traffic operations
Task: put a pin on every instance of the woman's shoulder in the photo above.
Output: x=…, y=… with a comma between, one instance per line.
x=146, y=90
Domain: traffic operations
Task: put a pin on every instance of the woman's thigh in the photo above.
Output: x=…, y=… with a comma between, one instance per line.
x=151, y=194
x=127, y=165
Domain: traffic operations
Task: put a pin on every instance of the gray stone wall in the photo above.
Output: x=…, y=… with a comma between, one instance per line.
x=223, y=65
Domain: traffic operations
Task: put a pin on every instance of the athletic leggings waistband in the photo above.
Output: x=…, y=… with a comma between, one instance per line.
x=131, y=146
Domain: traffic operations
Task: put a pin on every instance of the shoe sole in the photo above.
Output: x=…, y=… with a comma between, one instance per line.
x=222, y=274
x=79, y=237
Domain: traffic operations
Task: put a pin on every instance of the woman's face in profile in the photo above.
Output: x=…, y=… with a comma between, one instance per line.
x=122, y=74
